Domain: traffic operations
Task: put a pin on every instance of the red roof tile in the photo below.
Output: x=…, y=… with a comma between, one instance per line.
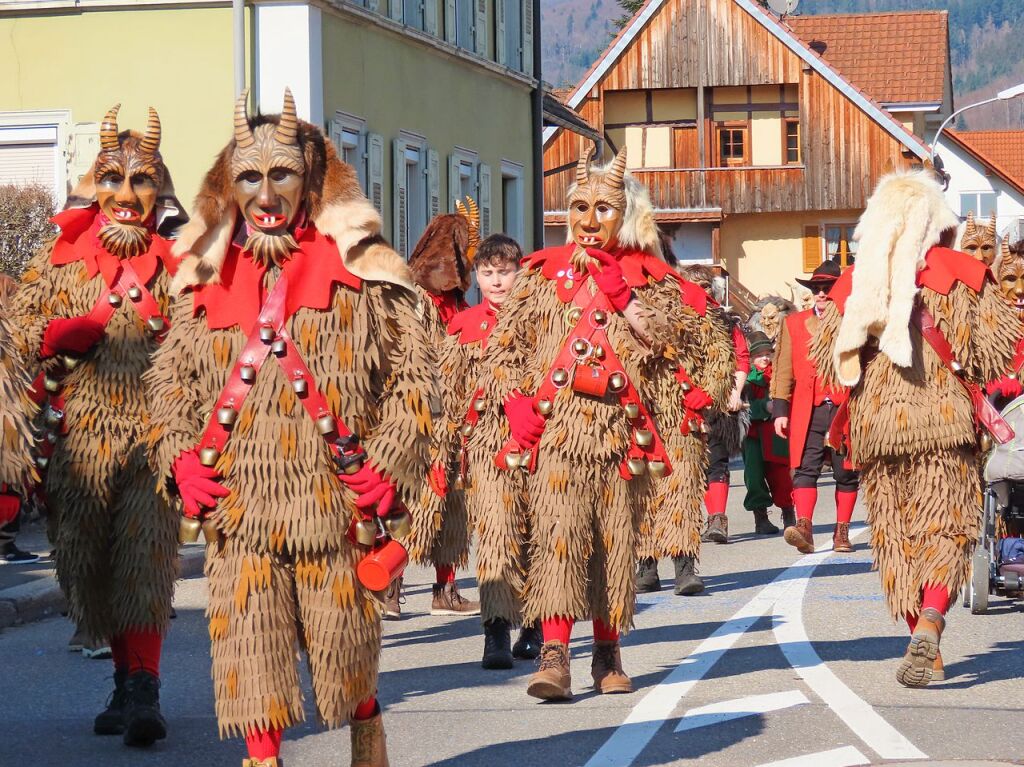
x=1002, y=151
x=896, y=58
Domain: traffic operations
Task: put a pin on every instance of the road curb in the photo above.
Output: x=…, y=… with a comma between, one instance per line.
x=40, y=599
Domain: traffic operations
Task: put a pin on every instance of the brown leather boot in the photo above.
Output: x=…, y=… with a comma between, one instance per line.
x=392, y=607
x=369, y=743
x=841, y=537
x=917, y=668
x=448, y=601
x=552, y=680
x=938, y=668
x=606, y=668
x=801, y=536
x=272, y=761
x=717, y=530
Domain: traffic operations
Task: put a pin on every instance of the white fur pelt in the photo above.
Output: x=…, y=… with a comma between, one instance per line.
x=639, y=229
x=904, y=218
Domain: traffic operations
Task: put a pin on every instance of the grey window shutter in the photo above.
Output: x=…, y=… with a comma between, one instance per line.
x=375, y=144
x=373, y=5
x=481, y=28
x=430, y=17
x=451, y=21
x=400, y=202
x=528, y=37
x=484, y=180
x=499, y=32
x=433, y=183
x=454, y=182
x=395, y=9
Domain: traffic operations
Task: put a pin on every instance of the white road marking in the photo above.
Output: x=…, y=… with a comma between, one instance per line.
x=739, y=708
x=647, y=717
x=847, y=756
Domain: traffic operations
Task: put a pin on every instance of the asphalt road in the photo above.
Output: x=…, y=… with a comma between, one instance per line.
x=785, y=661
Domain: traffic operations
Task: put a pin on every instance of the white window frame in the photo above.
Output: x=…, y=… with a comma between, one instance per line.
x=977, y=203
x=467, y=161
x=513, y=217
x=59, y=119
x=345, y=123
x=417, y=194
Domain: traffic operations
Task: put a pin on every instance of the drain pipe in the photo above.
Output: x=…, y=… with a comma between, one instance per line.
x=538, y=133
x=238, y=24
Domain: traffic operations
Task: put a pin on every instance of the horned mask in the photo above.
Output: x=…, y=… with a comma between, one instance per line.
x=1011, y=275
x=979, y=241
x=128, y=176
x=597, y=203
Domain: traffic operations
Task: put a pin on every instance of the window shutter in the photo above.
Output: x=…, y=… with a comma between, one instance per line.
x=375, y=142
x=433, y=183
x=484, y=180
x=481, y=27
x=812, y=248
x=395, y=9
x=373, y=5
x=528, y=37
x=450, y=21
x=430, y=17
x=454, y=182
x=500, y=54
x=400, y=202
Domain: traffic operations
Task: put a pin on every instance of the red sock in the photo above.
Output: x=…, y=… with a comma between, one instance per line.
x=911, y=622
x=557, y=628
x=120, y=653
x=142, y=650
x=716, y=497
x=603, y=632
x=804, y=499
x=935, y=596
x=445, y=574
x=263, y=744
x=845, y=501
x=366, y=710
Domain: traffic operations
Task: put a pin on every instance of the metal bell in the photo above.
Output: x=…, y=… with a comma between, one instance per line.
x=644, y=437
x=210, y=532
x=247, y=373
x=600, y=318
x=70, y=363
x=267, y=333
x=52, y=417
x=560, y=376
x=512, y=460
x=156, y=324
x=226, y=416
x=134, y=293
x=479, y=404
x=580, y=347
x=632, y=410
x=398, y=525
x=279, y=347
x=599, y=352
x=365, y=532
x=209, y=456
x=543, y=406
x=656, y=469
x=617, y=382
x=51, y=385
x=42, y=461
x=636, y=466
x=114, y=300
x=686, y=386
x=188, y=530
x=466, y=429
x=326, y=424
x=573, y=315
x=52, y=437
x=299, y=386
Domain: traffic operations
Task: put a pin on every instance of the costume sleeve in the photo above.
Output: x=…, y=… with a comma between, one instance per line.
x=15, y=412
x=34, y=304
x=175, y=391
x=739, y=341
x=781, y=390
x=988, y=350
x=513, y=341
x=823, y=345
x=399, y=442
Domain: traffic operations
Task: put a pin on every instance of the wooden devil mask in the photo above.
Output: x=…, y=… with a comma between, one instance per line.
x=979, y=241
x=597, y=202
x=1011, y=276
x=269, y=174
x=128, y=176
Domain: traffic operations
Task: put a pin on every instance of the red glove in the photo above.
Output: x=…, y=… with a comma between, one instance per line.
x=438, y=480
x=525, y=423
x=609, y=279
x=697, y=399
x=372, y=488
x=74, y=335
x=1005, y=387
x=197, y=484
x=10, y=505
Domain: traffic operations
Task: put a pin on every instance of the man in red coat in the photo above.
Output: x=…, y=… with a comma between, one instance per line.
x=803, y=409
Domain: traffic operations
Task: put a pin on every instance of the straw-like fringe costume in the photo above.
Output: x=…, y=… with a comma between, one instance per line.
x=283, y=578
x=16, y=409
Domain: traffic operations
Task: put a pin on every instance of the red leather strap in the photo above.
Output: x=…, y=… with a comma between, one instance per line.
x=129, y=287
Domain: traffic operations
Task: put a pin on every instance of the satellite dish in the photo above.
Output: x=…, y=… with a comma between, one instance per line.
x=783, y=7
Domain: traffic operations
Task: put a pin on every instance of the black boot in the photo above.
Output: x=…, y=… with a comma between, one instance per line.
x=687, y=580
x=111, y=721
x=143, y=723
x=497, y=645
x=647, y=576
x=763, y=525
x=527, y=646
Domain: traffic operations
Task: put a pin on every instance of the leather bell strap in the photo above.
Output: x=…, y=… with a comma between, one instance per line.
x=128, y=285
x=693, y=420
x=469, y=423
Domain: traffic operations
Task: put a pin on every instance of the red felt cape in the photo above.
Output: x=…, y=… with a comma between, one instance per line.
x=78, y=241
x=637, y=266
x=312, y=273
x=473, y=324
x=449, y=304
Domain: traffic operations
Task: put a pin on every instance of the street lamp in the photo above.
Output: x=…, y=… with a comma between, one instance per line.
x=1003, y=95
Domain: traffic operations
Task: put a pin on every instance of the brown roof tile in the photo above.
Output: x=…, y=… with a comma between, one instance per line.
x=1001, y=150
x=895, y=58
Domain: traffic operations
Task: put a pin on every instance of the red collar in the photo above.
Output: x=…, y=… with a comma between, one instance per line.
x=312, y=271
x=473, y=324
x=449, y=304
x=556, y=264
x=79, y=241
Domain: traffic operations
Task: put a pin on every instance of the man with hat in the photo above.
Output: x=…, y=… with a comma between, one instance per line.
x=803, y=408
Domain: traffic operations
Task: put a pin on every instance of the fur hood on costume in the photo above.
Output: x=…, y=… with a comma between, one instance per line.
x=904, y=218
x=334, y=202
x=440, y=261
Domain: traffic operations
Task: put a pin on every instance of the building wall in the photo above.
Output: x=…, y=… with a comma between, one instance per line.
x=179, y=60
x=968, y=175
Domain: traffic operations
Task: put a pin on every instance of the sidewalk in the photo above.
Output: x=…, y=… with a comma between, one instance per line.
x=30, y=592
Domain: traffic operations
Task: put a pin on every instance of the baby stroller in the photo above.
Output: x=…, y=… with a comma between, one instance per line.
x=997, y=568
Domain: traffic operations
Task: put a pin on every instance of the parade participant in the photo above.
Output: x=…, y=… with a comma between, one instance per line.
x=293, y=414
x=579, y=348
x=768, y=316
x=765, y=454
x=440, y=264
x=979, y=242
x=803, y=408
x=914, y=328
x=90, y=311
x=1009, y=271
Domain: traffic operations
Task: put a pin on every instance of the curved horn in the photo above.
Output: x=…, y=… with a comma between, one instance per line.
x=970, y=227
x=618, y=169
x=151, y=140
x=243, y=133
x=992, y=224
x=583, y=166
x=474, y=229
x=108, y=130
x=461, y=209
x=288, y=129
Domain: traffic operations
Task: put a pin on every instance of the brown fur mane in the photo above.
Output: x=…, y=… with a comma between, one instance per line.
x=438, y=262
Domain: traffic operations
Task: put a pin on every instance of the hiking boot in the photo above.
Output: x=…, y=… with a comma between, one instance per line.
x=111, y=720
x=763, y=525
x=96, y=649
x=717, y=530
x=687, y=580
x=12, y=555
x=938, y=668
x=393, y=601
x=788, y=517
x=552, y=680
x=527, y=646
x=917, y=668
x=647, y=576
x=369, y=743
x=270, y=761
x=801, y=536
x=497, y=641
x=606, y=669
x=841, y=537
x=143, y=723
x=448, y=601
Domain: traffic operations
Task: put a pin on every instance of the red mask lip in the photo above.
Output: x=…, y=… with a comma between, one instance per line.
x=125, y=215
x=268, y=221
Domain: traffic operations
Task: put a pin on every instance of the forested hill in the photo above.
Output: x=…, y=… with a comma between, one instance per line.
x=986, y=40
